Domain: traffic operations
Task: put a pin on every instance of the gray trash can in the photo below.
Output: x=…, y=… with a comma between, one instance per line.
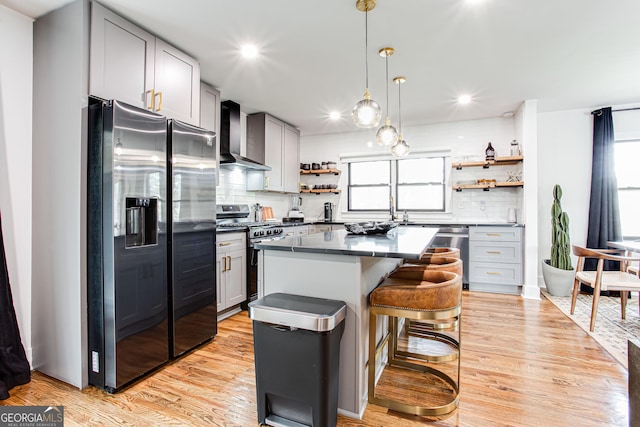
x=297, y=358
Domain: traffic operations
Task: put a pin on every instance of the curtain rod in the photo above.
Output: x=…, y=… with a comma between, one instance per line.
x=613, y=111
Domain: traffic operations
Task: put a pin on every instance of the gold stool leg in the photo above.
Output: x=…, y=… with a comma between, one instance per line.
x=391, y=339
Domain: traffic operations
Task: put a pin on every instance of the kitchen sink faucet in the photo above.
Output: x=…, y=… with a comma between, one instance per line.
x=392, y=209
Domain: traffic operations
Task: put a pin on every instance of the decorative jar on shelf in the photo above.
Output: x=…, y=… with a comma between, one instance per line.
x=490, y=153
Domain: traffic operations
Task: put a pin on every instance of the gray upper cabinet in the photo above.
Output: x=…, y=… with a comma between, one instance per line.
x=210, y=114
x=291, y=162
x=281, y=143
x=134, y=66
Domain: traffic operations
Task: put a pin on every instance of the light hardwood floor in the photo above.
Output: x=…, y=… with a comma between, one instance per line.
x=523, y=364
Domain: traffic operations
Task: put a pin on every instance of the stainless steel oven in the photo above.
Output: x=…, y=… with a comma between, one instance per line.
x=258, y=233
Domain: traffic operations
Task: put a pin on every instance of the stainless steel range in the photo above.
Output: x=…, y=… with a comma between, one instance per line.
x=237, y=216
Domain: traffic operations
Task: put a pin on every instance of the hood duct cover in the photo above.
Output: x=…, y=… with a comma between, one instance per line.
x=230, y=139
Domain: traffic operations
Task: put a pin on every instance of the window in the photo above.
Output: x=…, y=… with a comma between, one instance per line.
x=626, y=155
x=416, y=184
x=420, y=184
x=369, y=185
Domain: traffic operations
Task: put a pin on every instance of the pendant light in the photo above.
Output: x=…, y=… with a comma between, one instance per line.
x=401, y=148
x=366, y=113
x=387, y=135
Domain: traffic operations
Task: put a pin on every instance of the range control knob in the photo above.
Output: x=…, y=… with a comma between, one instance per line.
x=269, y=232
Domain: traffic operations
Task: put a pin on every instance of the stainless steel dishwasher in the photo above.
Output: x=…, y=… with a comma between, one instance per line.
x=455, y=237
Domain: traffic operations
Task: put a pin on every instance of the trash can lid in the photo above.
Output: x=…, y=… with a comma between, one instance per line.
x=296, y=311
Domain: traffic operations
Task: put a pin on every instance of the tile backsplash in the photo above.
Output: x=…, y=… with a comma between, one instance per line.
x=465, y=140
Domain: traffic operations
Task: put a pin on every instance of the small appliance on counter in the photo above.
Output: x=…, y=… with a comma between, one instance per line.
x=328, y=211
x=296, y=212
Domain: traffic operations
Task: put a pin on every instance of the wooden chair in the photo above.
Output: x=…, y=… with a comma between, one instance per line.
x=601, y=280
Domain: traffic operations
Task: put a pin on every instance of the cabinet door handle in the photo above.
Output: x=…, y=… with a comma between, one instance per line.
x=494, y=234
x=224, y=243
x=159, y=103
x=153, y=99
x=229, y=262
x=224, y=260
x=493, y=273
x=494, y=252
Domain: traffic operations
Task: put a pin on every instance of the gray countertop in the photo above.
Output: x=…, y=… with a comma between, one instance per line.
x=402, y=242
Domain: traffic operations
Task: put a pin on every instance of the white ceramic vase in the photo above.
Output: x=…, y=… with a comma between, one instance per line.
x=559, y=282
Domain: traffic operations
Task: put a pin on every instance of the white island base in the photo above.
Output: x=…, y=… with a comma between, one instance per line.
x=339, y=277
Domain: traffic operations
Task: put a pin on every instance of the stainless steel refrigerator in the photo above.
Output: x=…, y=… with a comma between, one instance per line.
x=150, y=241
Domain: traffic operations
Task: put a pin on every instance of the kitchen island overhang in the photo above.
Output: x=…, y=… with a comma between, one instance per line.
x=341, y=266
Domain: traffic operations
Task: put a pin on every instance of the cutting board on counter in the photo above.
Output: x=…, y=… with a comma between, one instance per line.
x=267, y=213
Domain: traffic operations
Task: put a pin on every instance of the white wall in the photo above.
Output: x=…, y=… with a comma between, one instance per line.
x=466, y=139
x=16, y=72
x=565, y=141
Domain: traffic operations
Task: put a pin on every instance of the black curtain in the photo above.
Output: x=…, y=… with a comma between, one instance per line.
x=604, y=213
x=14, y=366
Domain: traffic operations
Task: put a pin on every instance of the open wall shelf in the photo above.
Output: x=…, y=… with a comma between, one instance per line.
x=319, y=172
x=321, y=191
x=487, y=187
x=499, y=161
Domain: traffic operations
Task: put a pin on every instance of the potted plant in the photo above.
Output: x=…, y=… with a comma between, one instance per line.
x=558, y=272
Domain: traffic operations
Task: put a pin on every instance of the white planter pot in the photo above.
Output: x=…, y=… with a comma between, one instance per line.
x=559, y=282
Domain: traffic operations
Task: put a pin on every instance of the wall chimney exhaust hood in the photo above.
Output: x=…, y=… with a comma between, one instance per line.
x=230, y=139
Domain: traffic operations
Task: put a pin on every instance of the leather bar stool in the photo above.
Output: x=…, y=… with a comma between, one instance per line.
x=444, y=263
x=433, y=254
x=414, y=272
x=434, y=296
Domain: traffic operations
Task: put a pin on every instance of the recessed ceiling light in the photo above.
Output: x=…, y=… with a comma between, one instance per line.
x=334, y=115
x=464, y=99
x=249, y=51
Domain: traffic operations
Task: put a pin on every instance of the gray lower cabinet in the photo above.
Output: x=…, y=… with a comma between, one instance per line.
x=495, y=259
x=298, y=230
x=231, y=269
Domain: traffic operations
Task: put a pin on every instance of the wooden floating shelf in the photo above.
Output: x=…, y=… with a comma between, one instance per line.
x=511, y=160
x=487, y=187
x=336, y=191
x=319, y=171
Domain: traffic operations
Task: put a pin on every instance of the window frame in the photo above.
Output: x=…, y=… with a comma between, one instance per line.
x=442, y=184
x=627, y=188
x=350, y=186
x=443, y=153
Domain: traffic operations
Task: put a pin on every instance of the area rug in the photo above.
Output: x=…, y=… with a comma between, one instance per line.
x=611, y=332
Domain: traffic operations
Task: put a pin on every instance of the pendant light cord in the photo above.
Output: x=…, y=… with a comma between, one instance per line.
x=399, y=110
x=386, y=82
x=366, y=48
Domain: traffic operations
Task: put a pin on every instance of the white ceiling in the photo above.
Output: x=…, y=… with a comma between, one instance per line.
x=564, y=53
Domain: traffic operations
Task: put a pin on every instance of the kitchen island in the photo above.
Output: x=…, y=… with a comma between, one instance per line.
x=341, y=266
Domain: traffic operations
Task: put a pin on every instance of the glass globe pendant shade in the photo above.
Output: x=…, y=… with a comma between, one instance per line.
x=387, y=135
x=401, y=149
x=366, y=113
